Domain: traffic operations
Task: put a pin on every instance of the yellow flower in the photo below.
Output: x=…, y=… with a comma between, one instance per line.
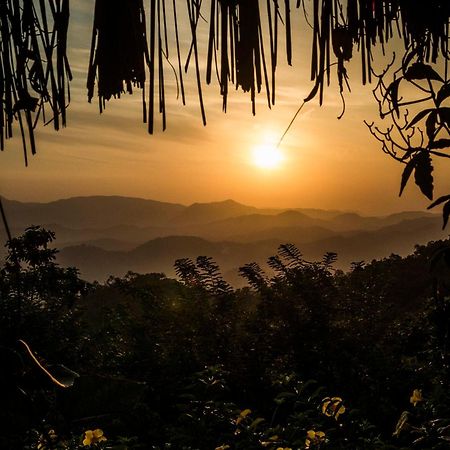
x=314, y=438
x=333, y=407
x=416, y=397
x=93, y=437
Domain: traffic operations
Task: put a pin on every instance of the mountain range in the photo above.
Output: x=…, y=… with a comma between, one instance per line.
x=104, y=236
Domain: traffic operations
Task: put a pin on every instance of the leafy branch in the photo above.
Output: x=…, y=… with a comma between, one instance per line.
x=415, y=140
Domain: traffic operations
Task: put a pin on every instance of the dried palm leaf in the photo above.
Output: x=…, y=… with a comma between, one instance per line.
x=34, y=69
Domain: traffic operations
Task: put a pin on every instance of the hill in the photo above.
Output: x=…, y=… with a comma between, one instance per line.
x=111, y=235
x=158, y=255
x=92, y=212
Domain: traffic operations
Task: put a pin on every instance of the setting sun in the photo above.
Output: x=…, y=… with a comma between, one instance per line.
x=267, y=156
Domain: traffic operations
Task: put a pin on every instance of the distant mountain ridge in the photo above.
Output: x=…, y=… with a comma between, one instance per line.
x=100, y=212
x=209, y=212
x=104, y=235
x=104, y=212
x=93, y=212
x=158, y=255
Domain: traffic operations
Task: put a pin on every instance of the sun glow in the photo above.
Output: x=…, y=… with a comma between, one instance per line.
x=267, y=156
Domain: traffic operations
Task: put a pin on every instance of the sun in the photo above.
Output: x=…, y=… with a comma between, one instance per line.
x=267, y=156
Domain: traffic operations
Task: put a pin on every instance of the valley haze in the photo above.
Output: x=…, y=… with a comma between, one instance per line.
x=111, y=235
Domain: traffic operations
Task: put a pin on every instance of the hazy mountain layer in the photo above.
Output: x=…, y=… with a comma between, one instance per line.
x=105, y=236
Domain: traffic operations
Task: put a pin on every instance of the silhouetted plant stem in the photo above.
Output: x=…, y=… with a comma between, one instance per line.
x=5, y=221
x=16, y=274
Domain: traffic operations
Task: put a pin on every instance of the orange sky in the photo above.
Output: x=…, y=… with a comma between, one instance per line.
x=327, y=163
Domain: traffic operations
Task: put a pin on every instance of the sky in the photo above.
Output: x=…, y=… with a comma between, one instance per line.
x=325, y=162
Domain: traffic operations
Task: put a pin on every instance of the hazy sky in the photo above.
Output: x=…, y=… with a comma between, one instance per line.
x=327, y=163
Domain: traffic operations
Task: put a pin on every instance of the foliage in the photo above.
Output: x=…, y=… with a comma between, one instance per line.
x=309, y=357
x=38, y=298
x=415, y=140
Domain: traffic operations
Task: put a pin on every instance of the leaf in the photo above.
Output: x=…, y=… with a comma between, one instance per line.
x=409, y=152
x=445, y=210
x=286, y=395
x=401, y=423
x=444, y=114
x=443, y=93
x=406, y=174
x=439, y=201
x=409, y=57
x=442, y=155
x=423, y=174
x=420, y=71
x=316, y=393
x=431, y=124
x=392, y=92
x=420, y=116
x=256, y=422
x=440, y=143
x=313, y=93
x=446, y=214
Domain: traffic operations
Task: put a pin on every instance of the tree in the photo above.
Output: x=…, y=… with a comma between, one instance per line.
x=37, y=297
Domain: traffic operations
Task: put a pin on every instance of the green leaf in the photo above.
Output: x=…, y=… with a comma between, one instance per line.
x=286, y=395
x=317, y=393
x=421, y=115
x=406, y=174
x=423, y=174
x=256, y=422
x=420, y=71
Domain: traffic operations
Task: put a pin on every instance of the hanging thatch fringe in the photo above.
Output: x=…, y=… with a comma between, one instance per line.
x=119, y=50
x=34, y=70
x=236, y=53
